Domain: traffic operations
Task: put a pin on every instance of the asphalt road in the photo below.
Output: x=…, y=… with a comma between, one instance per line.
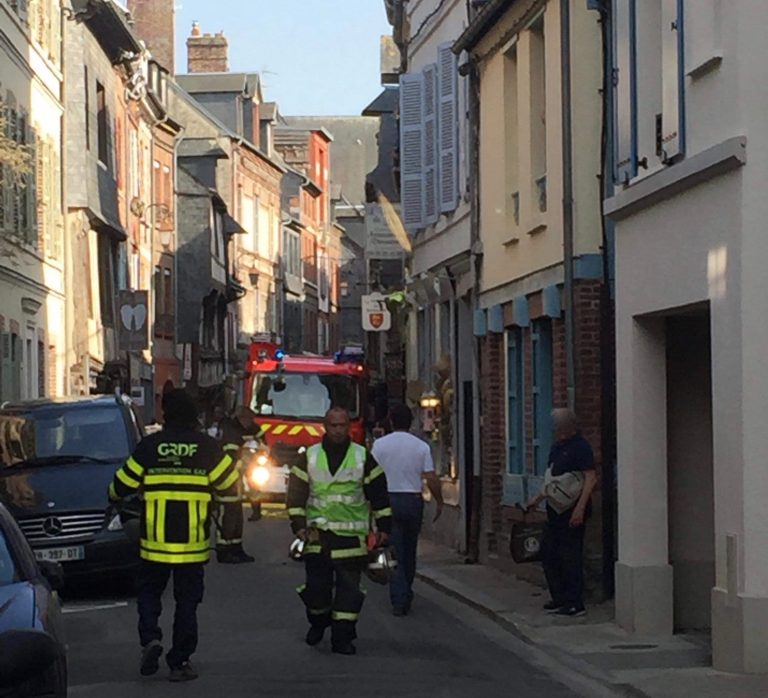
x=251, y=642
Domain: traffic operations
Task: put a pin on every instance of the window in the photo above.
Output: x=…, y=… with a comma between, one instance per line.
x=58, y=431
x=538, y=113
x=515, y=380
x=9, y=572
x=511, y=137
x=102, y=122
x=164, y=309
x=41, y=369
x=541, y=368
x=107, y=252
x=304, y=395
x=649, y=84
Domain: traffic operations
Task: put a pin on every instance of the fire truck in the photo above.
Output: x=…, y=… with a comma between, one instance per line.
x=290, y=394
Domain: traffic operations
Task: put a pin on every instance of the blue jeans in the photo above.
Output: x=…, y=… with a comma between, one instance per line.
x=407, y=512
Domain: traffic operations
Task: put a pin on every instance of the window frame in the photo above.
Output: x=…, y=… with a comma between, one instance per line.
x=542, y=383
x=515, y=400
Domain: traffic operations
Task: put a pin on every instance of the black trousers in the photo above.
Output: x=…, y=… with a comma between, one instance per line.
x=332, y=594
x=562, y=556
x=188, y=587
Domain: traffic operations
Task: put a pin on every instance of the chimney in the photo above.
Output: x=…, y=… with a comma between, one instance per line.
x=154, y=22
x=206, y=53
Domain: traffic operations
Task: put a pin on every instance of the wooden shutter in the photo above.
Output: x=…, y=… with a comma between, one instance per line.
x=31, y=189
x=431, y=201
x=41, y=179
x=673, y=113
x=448, y=75
x=412, y=150
x=625, y=90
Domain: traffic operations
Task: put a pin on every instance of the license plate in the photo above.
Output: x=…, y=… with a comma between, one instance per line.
x=76, y=552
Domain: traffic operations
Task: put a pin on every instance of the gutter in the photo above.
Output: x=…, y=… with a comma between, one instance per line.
x=479, y=27
x=568, y=242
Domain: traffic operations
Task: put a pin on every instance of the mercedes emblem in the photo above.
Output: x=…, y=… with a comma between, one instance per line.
x=53, y=527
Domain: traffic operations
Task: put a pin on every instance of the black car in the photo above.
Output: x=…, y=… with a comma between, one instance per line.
x=32, y=651
x=57, y=458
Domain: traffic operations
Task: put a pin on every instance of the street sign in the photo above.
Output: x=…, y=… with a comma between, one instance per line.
x=376, y=315
x=381, y=242
x=134, y=320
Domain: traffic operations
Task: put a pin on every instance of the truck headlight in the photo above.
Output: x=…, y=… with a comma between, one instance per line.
x=260, y=475
x=262, y=460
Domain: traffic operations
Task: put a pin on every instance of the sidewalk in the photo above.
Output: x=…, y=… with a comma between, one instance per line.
x=668, y=667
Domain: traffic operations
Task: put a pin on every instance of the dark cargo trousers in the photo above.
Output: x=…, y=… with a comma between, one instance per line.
x=332, y=594
x=188, y=588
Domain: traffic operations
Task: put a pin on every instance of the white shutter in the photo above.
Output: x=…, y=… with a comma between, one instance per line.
x=412, y=150
x=625, y=91
x=448, y=123
x=431, y=202
x=672, y=115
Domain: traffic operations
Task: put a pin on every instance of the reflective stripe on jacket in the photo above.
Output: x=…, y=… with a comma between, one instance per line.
x=177, y=472
x=337, y=501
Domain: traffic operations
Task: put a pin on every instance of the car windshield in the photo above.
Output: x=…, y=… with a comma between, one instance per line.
x=304, y=395
x=9, y=572
x=55, y=434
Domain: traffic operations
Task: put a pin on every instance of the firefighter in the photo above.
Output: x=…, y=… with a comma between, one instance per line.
x=332, y=493
x=235, y=432
x=175, y=470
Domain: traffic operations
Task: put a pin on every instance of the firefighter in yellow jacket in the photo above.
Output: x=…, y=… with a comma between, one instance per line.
x=176, y=471
x=331, y=495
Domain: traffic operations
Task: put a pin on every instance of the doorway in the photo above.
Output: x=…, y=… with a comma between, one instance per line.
x=690, y=468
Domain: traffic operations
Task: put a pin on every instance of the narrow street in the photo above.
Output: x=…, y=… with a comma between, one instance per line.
x=251, y=628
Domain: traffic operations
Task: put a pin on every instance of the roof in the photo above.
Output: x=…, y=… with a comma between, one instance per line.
x=385, y=103
x=239, y=83
x=108, y=22
x=308, y=364
x=354, y=153
x=200, y=147
x=75, y=401
x=268, y=111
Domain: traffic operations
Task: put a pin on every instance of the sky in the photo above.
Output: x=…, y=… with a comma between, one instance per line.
x=316, y=57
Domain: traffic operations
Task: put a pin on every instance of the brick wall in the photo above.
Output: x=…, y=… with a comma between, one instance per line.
x=207, y=53
x=154, y=23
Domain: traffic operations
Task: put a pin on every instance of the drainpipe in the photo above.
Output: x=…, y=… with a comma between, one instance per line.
x=69, y=311
x=568, y=247
x=473, y=542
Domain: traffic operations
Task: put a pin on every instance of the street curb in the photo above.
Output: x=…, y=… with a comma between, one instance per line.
x=570, y=662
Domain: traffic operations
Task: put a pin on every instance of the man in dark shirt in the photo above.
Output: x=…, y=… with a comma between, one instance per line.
x=332, y=494
x=563, y=544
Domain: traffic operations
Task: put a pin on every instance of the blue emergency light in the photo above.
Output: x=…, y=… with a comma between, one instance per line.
x=279, y=355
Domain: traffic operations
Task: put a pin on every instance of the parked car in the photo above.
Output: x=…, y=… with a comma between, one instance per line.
x=57, y=458
x=32, y=652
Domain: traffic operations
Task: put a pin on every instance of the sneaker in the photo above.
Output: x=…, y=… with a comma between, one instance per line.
x=150, y=658
x=571, y=611
x=185, y=672
x=314, y=635
x=552, y=607
x=346, y=648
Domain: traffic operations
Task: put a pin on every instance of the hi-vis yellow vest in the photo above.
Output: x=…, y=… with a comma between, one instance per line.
x=337, y=502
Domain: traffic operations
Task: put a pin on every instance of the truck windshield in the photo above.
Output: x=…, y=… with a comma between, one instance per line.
x=304, y=395
x=58, y=434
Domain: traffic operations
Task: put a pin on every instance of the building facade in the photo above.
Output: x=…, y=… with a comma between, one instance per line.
x=33, y=323
x=689, y=210
x=436, y=211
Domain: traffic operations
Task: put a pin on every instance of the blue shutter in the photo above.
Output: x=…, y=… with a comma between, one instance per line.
x=412, y=150
x=448, y=123
x=625, y=88
x=542, y=392
x=515, y=401
x=431, y=193
x=673, y=80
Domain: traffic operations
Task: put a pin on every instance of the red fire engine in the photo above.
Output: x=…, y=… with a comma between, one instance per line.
x=290, y=396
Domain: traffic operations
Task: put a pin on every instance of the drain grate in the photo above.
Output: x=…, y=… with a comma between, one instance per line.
x=634, y=647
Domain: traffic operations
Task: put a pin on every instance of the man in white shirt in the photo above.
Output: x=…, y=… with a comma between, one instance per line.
x=407, y=462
